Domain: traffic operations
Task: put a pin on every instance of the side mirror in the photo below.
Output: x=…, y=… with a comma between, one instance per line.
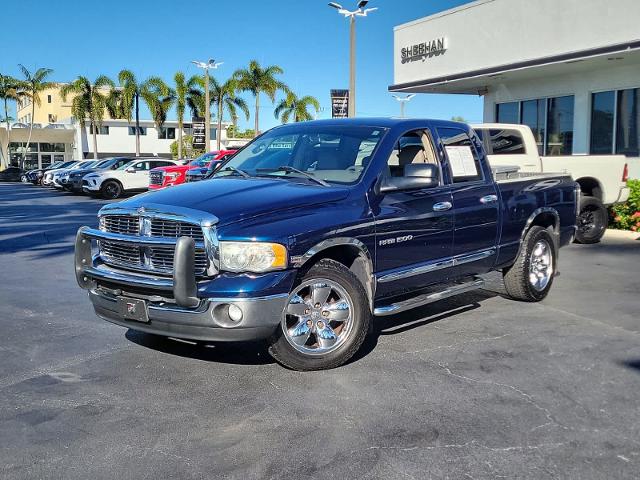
x=416, y=176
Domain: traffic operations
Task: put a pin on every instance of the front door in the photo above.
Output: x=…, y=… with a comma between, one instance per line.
x=138, y=179
x=414, y=229
x=475, y=201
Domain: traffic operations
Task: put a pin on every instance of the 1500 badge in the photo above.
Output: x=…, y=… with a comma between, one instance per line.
x=391, y=241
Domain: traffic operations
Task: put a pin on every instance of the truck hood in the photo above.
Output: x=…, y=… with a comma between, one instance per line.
x=173, y=168
x=235, y=199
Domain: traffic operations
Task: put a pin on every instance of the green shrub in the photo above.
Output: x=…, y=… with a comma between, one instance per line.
x=626, y=216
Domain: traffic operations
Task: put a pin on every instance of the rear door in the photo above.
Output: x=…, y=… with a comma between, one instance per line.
x=414, y=228
x=475, y=202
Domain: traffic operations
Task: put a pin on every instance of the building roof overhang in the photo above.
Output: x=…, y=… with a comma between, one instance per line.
x=478, y=82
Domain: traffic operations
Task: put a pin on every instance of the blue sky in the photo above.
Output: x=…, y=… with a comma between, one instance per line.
x=308, y=39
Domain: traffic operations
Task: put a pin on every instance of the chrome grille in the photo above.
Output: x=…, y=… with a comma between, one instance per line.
x=173, y=229
x=123, y=224
x=155, y=178
x=121, y=254
x=157, y=259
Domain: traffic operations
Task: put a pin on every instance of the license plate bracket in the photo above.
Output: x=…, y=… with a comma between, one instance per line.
x=133, y=309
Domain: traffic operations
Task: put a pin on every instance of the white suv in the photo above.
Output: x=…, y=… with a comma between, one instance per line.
x=132, y=176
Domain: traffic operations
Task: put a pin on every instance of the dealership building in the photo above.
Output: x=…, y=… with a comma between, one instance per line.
x=569, y=69
x=58, y=136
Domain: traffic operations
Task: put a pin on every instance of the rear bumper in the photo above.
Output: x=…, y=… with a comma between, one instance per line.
x=623, y=196
x=175, y=309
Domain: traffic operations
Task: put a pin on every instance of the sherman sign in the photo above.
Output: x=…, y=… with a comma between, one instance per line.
x=423, y=51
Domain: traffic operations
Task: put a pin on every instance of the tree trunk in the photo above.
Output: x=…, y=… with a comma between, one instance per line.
x=7, y=158
x=94, y=129
x=257, y=123
x=137, y=124
x=218, y=132
x=180, y=122
x=33, y=112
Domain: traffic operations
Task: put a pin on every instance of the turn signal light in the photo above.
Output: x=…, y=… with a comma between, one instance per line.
x=625, y=173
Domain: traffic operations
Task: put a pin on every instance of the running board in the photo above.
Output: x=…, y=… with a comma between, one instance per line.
x=424, y=299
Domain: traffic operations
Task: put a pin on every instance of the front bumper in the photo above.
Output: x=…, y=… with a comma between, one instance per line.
x=91, y=184
x=184, y=306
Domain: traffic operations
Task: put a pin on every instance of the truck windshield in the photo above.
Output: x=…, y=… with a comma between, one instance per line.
x=330, y=153
x=203, y=160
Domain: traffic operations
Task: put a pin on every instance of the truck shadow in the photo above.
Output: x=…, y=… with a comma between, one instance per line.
x=233, y=353
x=419, y=317
x=255, y=353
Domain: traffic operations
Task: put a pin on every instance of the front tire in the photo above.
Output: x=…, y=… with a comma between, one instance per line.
x=530, y=278
x=111, y=190
x=592, y=220
x=325, y=321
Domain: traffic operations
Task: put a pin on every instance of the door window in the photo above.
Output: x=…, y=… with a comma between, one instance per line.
x=140, y=166
x=411, y=148
x=464, y=160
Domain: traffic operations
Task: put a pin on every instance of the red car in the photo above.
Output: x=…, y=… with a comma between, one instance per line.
x=163, y=177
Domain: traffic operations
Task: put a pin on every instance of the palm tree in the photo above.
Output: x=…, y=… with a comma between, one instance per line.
x=257, y=80
x=159, y=98
x=223, y=97
x=153, y=91
x=89, y=101
x=187, y=95
x=31, y=87
x=9, y=90
x=296, y=108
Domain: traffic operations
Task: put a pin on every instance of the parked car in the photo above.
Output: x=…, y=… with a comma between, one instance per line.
x=40, y=174
x=11, y=174
x=602, y=178
x=60, y=178
x=172, y=175
x=200, y=173
x=132, y=176
x=314, y=228
x=75, y=177
x=33, y=175
x=47, y=178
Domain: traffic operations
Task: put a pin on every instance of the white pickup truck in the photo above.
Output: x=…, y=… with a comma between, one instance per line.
x=602, y=178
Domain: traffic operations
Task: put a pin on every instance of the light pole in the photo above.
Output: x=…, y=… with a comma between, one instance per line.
x=207, y=115
x=351, y=15
x=403, y=101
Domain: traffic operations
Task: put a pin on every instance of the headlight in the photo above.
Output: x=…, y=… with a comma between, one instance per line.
x=252, y=256
x=171, y=175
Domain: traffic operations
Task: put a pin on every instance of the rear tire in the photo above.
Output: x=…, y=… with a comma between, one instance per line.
x=530, y=278
x=326, y=319
x=592, y=220
x=111, y=190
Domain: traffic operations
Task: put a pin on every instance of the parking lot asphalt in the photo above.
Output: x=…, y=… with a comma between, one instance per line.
x=476, y=386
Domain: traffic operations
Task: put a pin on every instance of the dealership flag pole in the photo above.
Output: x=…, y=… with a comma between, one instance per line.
x=352, y=46
x=207, y=114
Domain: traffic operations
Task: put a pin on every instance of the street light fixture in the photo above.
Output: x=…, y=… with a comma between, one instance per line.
x=351, y=15
x=211, y=64
x=403, y=101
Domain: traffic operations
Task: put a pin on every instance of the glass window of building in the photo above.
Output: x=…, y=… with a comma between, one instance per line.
x=602, y=112
x=507, y=112
x=560, y=125
x=141, y=130
x=533, y=115
x=101, y=130
x=627, y=131
x=167, y=133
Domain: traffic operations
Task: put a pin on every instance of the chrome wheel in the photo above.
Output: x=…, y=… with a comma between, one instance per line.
x=318, y=317
x=540, y=265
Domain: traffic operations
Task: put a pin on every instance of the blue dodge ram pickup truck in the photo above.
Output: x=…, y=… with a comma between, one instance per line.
x=315, y=228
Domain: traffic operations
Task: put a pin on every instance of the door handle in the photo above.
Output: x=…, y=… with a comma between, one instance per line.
x=489, y=199
x=442, y=206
